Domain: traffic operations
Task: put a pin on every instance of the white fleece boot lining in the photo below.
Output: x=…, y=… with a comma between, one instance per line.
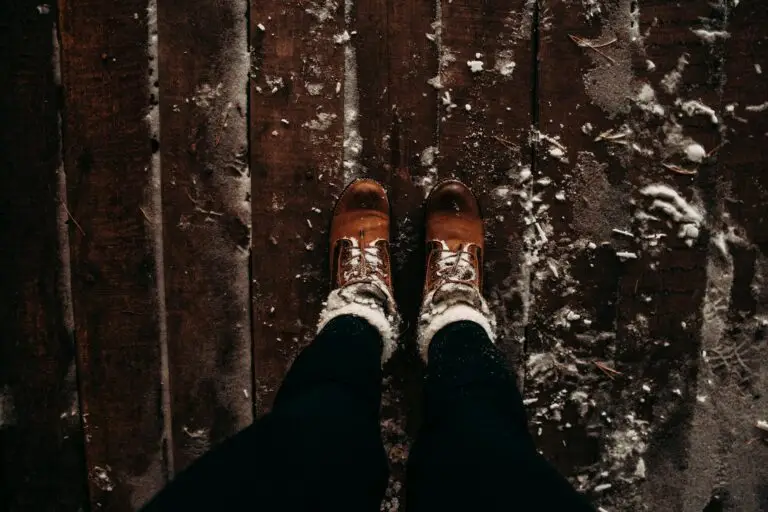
x=463, y=305
x=357, y=300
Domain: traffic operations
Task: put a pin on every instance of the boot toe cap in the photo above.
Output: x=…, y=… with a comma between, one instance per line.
x=364, y=194
x=453, y=197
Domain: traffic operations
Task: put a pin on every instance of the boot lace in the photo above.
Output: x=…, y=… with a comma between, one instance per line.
x=363, y=262
x=455, y=266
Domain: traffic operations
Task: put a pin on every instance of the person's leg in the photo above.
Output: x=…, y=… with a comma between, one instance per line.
x=319, y=449
x=474, y=451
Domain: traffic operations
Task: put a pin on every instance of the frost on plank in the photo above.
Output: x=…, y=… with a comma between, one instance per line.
x=665, y=205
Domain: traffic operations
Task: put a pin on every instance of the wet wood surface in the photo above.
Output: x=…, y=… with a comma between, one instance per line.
x=168, y=178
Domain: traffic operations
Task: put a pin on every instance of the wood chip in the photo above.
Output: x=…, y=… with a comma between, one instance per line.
x=594, y=46
x=680, y=170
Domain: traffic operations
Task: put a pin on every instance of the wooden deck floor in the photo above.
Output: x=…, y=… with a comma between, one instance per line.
x=168, y=170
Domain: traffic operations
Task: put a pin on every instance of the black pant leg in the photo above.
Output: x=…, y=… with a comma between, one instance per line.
x=319, y=449
x=474, y=451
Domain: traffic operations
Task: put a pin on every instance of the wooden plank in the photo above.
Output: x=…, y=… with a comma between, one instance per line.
x=113, y=179
x=582, y=198
x=627, y=102
x=733, y=377
x=484, y=121
x=395, y=48
x=41, y=438
x=745, y=92
x=296, y=168
x=660, y=322
x=203, y=83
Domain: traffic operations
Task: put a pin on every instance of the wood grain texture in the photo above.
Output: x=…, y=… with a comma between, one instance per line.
x=206, y=220
x=42, y=464
x=296, y=134
x=112, y=193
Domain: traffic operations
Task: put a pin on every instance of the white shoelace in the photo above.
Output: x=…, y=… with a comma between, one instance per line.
x=455, y=266
x=364, y=262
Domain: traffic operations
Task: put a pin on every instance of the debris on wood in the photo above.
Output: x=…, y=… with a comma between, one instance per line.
x=710, y=36
x=626, y=255
x=679, y=170
x=612, y=135
x=72, y=218
x=610, y=372
x=715, y=149
x=621, y=232
x=584, y=43
x=144, y=213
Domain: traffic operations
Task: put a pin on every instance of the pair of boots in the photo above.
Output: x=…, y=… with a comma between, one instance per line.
x=321, y=448
x=361, y=273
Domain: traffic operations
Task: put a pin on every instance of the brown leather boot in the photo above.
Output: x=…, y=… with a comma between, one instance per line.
x=361, y=279
x=455, y=245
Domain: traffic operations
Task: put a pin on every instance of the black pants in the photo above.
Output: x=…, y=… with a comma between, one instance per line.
x=320, y=448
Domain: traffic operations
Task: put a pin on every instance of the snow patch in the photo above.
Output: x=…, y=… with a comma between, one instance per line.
x=646, y=101
x=710, y=36
x=695, y=152
x=674, y=207
x=475, y=66
x=592, y=8
x=353, y=141
x=671, y=80
x=322, y=122
x=757, y=108
x=322, y=11
x=428, y=156
x=505, y=63
x=692, y=108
